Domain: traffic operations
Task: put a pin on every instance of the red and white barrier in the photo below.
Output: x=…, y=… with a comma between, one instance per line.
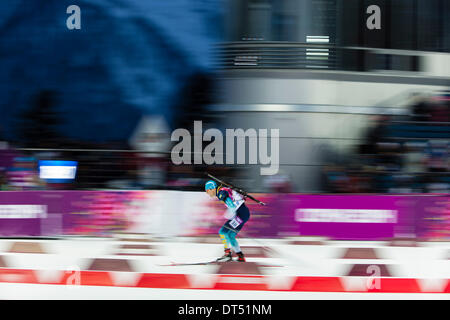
x=229, y=282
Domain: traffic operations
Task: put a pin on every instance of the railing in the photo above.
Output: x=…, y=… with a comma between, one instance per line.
x=123, y=169
x=290, y=55
x=281, y=55
x=133, y=169
x=418, y=130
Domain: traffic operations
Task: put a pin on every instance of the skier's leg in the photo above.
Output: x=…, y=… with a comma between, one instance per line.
x=223, y=236
x=231, y=237
x=242, y=216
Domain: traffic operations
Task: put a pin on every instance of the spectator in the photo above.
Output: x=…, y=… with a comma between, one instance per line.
x=22, y=175
x=414, y=158
x=3, y=183
x=420, y=110
x=437, y=156
x=396, y=166
x=439, y=112
x=279, y=183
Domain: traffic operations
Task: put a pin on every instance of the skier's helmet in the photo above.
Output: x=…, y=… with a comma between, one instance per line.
x=211, y=184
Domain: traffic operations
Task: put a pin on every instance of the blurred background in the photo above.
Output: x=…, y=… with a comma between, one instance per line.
x=87, y=114
x=359, y=110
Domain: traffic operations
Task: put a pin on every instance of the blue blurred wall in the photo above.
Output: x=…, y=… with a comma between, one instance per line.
x=130, y=57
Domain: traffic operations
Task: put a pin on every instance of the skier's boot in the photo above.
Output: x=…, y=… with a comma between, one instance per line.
x=241, y=257
x=226, y=257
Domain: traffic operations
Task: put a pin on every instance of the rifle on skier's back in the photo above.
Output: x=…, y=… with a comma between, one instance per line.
x=238, y=190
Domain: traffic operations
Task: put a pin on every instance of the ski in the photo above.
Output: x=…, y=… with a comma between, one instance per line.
x=175, y=264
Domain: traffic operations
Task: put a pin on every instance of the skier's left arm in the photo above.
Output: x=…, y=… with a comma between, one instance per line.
x=224, y=196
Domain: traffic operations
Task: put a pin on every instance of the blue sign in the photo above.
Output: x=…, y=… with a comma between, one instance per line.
x=57, y=171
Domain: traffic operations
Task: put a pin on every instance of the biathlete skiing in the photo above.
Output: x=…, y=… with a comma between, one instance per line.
x=237, y=215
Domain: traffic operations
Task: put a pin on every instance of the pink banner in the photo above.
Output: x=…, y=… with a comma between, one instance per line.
x=177, y=213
